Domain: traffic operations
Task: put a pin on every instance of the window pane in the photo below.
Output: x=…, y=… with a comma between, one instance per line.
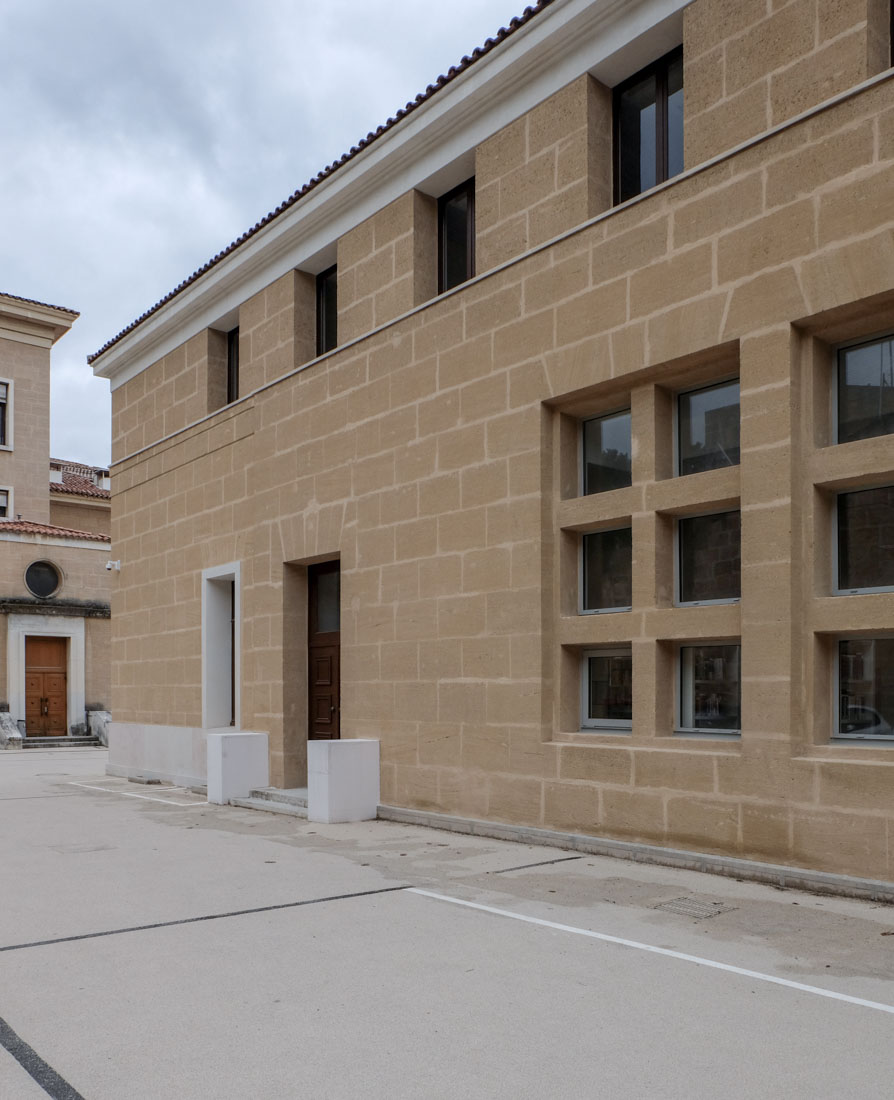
x=866, y=539
x=609, y=688
x=710, y=687
x=866, y=687
x=866, y=391
x=710, y=557
x=608, y=558
x=456, y=237
x=327, y=596
x=636, y=138
x=4, y=502
x=708, y=430
x=675, y=118
x=327, y=311
x=42, y=578
x=607, y=453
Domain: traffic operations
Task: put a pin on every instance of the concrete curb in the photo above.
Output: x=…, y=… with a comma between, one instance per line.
x=798, y=878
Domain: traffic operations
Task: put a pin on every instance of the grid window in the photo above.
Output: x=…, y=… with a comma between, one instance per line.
x=708, y=428
x=232, y=365
x=327, y=310
x=866, y=390
x=866, y=540
x=710, y=558
x=607, y=689
x=865, y=688
x=607, y=450
x=4, y=414
x=607, y=570
x=456, y=236
x=710, y=688
x=649, y=127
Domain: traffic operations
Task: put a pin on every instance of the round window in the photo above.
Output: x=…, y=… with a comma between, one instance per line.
x=42, y=578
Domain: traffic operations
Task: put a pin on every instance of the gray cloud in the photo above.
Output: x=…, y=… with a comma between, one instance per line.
x=136, y=141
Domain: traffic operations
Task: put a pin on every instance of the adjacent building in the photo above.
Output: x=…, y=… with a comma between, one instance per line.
x=54, y=546
x=546, y=437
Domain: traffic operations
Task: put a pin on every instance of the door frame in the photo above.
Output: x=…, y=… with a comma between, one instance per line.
x=57, y=626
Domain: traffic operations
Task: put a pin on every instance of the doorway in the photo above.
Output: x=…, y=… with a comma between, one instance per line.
x=46, y=687
x=323, y=651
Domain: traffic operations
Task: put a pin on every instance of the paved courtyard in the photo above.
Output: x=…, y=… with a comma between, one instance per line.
x=152, y=945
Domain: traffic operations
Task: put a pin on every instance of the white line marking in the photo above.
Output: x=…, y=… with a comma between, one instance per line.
x=756, y=974
x=145, y=797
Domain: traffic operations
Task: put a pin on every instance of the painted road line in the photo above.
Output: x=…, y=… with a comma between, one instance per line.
x=681, y=955
x=145, y=797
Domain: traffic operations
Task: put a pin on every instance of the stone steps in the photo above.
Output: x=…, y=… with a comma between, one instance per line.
x=275, y=801
x=60, y=742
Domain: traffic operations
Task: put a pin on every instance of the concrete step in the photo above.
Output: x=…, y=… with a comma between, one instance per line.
x=271, y=806
x=294, y=796
x=60, y=742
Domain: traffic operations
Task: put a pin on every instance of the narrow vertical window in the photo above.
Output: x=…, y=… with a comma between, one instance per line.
x=232, y=365
x=649, y=127
x=327, y=310
x=456, y=236
x=607, y=450
x=4, y=399
x=4, y=503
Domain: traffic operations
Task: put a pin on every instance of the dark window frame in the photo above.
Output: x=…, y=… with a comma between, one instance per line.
x=658, y=69
x=233, y=365
x=324, y=287
x=467, y=186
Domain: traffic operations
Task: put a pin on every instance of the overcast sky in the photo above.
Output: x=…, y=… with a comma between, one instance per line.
x=137, y=140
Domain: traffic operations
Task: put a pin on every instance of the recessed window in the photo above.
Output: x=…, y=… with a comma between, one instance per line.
x=4, y=503
x=866, y=540
x=710, y=558
x=607, y=570
x=606, y=452
x=607, y=689
x=708, y=428
x=865, y=688
x=866, y=390
x=710, y=689
x=5, y=419
x=42, y=579
x=649, y=127
x=327, y=310
x=456, y=236
x=232, y=365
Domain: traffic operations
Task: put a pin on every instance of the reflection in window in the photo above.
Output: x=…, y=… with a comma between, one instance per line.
x=710, y=558
x=708, y=428
x=866, y=540
x=865, y=687
x=608, y=689
x=607, y=453
x=608, y=567
x=710, y=688
x=649, y=127
x=866, y=390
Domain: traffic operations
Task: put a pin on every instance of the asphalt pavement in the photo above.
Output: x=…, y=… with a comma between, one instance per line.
x=155, y=946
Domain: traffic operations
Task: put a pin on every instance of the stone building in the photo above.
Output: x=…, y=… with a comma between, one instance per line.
x=546, y=438
x=54, y=547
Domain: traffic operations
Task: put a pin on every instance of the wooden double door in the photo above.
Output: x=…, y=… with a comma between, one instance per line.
x=323, y=651
x=46, y=687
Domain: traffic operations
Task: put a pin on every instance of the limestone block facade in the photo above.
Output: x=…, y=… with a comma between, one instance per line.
x=683, y=392
x=54, y=546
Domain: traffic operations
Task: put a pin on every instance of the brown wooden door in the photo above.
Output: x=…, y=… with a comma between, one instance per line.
x=323, y=650
x=46, y=687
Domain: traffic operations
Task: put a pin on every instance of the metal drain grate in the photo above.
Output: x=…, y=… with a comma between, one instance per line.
x=692, y=907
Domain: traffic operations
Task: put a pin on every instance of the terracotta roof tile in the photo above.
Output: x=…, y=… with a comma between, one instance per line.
x=34, y=302
x=451, y=74
x=77, y=485
x=26, y=527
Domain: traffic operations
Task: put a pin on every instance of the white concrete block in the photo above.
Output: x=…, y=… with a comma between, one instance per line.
x=237, y=762
x=342, y=780
x=174, y=754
